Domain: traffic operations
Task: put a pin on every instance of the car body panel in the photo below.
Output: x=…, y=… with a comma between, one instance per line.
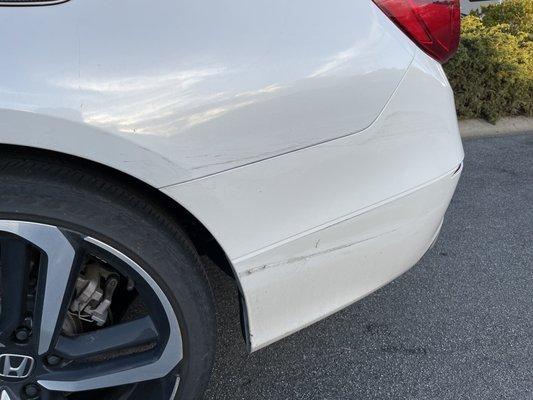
x=315, y=141
x=254, y=80
x=414, y=141
x=304, y=280
x=362, y=209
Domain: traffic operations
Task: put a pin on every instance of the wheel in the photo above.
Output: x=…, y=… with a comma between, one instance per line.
x=102, y=295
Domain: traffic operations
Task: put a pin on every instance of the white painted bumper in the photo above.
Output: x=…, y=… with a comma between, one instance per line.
x=312, y=231
x=307, y=279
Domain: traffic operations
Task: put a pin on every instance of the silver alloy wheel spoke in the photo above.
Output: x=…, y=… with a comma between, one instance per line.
x=55, y=282
x=6, y=394
x=60, y=257
x=138, y=372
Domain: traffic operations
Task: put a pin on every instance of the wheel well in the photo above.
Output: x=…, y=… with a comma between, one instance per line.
x=202, y=239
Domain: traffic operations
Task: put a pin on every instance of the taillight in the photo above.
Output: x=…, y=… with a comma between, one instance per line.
x=433, y=24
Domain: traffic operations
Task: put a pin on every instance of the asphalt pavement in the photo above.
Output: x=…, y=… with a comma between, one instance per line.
x=459, y=325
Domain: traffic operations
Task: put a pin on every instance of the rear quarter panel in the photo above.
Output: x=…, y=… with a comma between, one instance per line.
x=204, y=86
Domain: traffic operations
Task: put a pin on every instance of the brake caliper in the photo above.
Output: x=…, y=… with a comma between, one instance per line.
x=94, y=293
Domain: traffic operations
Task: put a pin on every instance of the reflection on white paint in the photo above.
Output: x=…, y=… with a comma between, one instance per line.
x=372, y=43
x=252, y=81
x=162, y=103
x=136, y=83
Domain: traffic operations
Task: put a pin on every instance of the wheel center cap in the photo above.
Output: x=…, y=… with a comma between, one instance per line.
x=15, y=366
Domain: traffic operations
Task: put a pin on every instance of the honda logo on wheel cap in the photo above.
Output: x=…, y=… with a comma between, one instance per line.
x=15, y=366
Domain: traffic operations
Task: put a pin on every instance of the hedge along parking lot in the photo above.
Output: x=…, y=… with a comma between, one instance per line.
x=492, y=72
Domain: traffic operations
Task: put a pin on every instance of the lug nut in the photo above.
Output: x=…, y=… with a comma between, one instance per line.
x=31, y=391
x=22, y=334
x=53, y=360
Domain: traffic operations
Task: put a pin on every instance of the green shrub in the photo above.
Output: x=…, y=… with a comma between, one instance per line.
x=517, y=14
x=492, y=72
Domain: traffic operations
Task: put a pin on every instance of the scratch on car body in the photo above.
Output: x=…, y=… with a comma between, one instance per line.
x=307, y=257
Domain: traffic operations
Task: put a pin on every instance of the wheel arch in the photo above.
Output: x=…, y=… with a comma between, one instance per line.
x=195, y=229
x=203, y=240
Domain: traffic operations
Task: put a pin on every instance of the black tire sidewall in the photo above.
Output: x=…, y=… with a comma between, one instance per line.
x=48, y=193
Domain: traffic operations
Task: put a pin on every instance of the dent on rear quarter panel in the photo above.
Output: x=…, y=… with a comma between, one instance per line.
x=204, y=85
x=340, y=219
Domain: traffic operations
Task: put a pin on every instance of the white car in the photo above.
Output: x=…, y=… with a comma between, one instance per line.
x=310, y=146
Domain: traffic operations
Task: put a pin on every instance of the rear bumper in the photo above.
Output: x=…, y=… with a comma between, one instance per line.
x=303, y=281
x=314, y=230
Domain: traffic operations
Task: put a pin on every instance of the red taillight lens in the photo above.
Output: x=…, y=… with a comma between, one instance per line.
x=433, y=24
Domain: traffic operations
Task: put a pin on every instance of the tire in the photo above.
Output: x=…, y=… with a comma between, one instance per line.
x=58, y=192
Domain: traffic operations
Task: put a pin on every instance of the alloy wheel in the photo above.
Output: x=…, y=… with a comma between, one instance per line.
x=81, y=320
